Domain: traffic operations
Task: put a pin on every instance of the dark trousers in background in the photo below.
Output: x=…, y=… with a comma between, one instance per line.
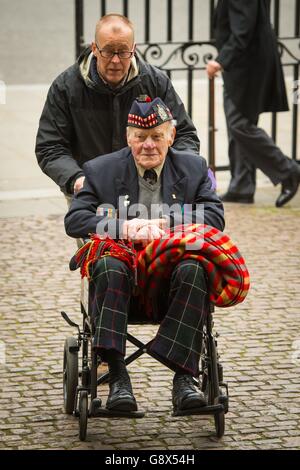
x=184, y=307
x=249, y=148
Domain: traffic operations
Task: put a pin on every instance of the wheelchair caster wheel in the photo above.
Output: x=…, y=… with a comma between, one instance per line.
x=223, y=399
x=220, y=424
x=95, y=405
x=83, y=414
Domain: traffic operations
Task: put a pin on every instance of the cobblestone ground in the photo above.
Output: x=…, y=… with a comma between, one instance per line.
x=258, y=346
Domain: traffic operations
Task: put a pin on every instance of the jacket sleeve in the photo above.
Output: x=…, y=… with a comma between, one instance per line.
x=53, y=141
x=186, y=134
x=242, y=21
x=212, y=206
x=206, y=207
x=82, y=220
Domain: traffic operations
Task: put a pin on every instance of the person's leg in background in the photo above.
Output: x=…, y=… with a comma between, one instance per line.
x=252, y=144
x=243, y=173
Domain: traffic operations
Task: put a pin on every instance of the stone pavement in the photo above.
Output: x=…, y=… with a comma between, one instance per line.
x=259, y=344
x=260, y=339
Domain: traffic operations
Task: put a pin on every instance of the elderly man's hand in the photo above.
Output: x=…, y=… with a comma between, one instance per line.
x=148, y=233
x=144, y=230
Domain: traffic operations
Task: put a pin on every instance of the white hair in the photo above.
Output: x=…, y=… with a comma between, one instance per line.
x=170, y=127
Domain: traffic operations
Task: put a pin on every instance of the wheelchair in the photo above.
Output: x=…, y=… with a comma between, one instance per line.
x=80, y=382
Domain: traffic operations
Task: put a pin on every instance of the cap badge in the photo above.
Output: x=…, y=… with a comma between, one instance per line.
x=162, y=113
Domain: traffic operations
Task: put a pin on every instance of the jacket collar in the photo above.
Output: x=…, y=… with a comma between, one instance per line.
x=85, y=62
x=173, y=185
x=127, y=184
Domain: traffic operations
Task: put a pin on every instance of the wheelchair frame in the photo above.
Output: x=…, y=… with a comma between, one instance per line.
x=76, y=397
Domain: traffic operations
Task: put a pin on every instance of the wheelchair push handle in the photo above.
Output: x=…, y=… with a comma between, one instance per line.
x=69, y=321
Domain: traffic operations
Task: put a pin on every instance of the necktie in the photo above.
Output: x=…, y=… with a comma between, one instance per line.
x=150, y=176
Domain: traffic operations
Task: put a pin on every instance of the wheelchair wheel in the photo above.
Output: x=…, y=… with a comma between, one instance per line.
x=220, y=424
x=70, y=374
x=211, y=375
x=83, y=414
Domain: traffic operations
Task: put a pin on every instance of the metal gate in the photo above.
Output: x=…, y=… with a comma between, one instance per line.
x=189, y=55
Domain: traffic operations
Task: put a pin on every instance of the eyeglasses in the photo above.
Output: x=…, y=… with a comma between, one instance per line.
x=106, y=54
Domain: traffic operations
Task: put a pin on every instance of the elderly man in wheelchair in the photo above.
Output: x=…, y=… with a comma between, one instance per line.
x=147, y=261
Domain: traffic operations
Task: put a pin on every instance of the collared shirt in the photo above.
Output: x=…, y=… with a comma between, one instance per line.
x=157, y=169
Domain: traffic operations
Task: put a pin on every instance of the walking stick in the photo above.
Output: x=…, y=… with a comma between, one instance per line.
x=211, y=129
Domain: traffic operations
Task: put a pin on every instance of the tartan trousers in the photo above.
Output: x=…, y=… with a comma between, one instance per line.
x=183, y=301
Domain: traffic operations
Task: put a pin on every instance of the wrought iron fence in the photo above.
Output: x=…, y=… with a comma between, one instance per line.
x=190, y=55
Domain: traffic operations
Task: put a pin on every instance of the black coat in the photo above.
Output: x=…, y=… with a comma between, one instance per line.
x=82, y=119
x=248, y=53
x=184, y=180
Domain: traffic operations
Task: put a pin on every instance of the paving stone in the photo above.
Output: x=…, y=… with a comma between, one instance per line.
x=256, y=356
x=129, y=446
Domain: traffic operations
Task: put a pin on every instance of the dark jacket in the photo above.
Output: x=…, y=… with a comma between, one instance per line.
x=184, y=180
x=248, y=53
x=82, y=119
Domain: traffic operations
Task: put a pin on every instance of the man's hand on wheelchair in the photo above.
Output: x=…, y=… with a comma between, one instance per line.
x=78, y=184
x=144, y=231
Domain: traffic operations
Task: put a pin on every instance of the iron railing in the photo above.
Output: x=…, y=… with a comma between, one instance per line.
x=191, y=55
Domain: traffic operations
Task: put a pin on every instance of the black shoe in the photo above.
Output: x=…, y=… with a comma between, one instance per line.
x=185, y=394
x=289, y=187
x=120, y=396
x=240, y=198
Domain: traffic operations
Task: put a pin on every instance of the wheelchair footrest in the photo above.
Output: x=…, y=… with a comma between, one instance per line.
x=204, y=410
x=105, y=413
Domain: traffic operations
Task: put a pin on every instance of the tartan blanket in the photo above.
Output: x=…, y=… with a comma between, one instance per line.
x=227, y=274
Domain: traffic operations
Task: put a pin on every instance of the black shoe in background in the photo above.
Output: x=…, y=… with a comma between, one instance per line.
x=289, y=187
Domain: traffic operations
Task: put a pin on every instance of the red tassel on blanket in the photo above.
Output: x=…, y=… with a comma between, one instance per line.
x=98, y=247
